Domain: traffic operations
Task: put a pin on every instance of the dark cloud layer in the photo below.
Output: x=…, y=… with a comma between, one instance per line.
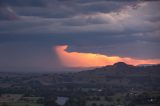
x=6, y=13
x=65, y=8
x=126, y=28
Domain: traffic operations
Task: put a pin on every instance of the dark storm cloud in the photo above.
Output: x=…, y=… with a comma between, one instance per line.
x=127, y=28
x=45, y=2
x=23, y=2
x=65, y=8
x=6, y=13
x=27, y=57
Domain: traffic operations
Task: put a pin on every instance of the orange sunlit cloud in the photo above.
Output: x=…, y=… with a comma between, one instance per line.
x=78, y=59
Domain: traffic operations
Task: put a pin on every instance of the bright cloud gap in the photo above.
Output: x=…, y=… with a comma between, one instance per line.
x=78, y=59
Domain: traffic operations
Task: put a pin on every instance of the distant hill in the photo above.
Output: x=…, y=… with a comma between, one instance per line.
x=121, y=74
x=122, y=68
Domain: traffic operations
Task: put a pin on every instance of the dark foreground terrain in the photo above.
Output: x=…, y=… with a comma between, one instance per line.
x=117, y=85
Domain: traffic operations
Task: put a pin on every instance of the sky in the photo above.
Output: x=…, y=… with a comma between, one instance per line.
x=61, y=35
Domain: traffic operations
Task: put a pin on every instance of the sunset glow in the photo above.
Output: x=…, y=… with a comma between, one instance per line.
x=78, y=59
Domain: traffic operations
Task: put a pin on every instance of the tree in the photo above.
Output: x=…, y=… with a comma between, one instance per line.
x=5, y=104
x=50, y=101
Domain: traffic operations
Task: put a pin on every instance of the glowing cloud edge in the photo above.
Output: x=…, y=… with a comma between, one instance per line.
x=78, y=59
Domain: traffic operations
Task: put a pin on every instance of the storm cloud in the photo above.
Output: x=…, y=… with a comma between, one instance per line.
x=125, y=28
